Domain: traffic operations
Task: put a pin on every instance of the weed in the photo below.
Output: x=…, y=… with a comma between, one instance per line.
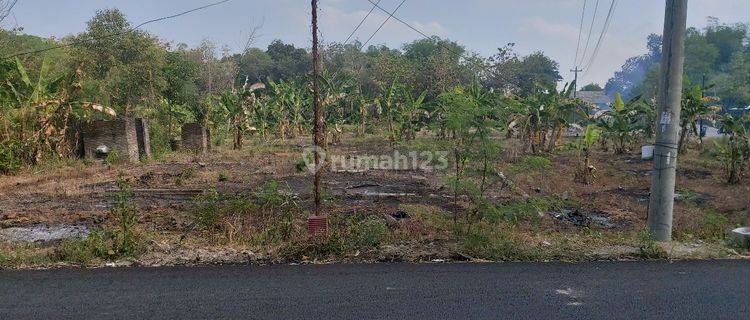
x=113, y=157
x=300, y=165
x=516, y=212
x=223, y=177
x=9, y=160
x=486, y=241
x=431, y=217
x=714, y=226
x=369, y=233
x=184, y=175
x=207, y=211
x=648, y=248
x=688, y=196
x=529, y=164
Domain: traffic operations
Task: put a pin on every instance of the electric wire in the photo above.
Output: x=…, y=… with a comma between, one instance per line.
x=602, y=35
x=116, y=33
x=580, y=33
x=361, y=23
x=390, y=15
x=591, y=30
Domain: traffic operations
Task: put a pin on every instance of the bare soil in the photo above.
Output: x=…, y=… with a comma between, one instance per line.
x=616, y=201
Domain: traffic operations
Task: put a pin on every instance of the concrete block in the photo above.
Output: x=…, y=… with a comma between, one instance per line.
x=196, y=138
x=119, y=135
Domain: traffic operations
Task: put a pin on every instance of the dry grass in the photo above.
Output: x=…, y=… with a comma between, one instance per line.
x=75, y=193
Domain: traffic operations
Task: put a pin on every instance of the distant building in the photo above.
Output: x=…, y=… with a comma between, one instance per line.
x=739, y=111
x=597, y=100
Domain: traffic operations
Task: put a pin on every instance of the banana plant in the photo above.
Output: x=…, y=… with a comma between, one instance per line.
x=694, y=106
x=734, y=152
x=408, y=113
x=43, y=109
x=387, y=105
x=586, y=170
x=236, y=105
x=279, y=106
x=623, y=123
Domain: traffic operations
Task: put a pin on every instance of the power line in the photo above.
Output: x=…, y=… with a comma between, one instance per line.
x=580, y=32
x=10, y=8
x=591, y=30
x=452, y=50
x=361, y=23
x=603, y=34
x=399, y=20
x=390, y=15
x=116, y=33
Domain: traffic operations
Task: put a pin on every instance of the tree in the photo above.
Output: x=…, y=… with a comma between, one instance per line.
x=623, y=124
x=694, y=106
x=237, y=104
x=592, y=87
x=288, y=61
x=124, y=69
x=254, y=64
x=734, y=152
x=522, y=76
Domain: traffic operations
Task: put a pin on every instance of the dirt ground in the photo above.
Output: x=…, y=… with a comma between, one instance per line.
x=614, y=203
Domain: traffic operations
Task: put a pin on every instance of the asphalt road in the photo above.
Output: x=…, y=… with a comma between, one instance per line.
x=614, y=290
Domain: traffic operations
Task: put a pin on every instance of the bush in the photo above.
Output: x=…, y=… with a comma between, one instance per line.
x=10, y=161
x=207, y=210
x=714, y=226
x=369, y=233
x=126, y=241
x=648, y=248
x=485, y=241
x=300, y=165
x=113, y=157
x=531, y=164
x=223, y=177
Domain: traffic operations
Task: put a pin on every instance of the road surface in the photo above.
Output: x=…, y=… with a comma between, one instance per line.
x=615, y=290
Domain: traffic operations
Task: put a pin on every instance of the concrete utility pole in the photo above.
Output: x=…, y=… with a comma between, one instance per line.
x=575, y=89
x=319, y=126
x=661, y=204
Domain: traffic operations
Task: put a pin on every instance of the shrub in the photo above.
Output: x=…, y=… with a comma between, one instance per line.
x=648, y=248
x=223, y=177
x=126, y=240
x=485, y=241
x=207, y=211
x=369, y=233
x=714, y=226
x=300, y=165
x=531, y=164
x=113, y=157
x=10, y=161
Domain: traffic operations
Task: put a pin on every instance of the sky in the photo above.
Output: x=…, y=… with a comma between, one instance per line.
x=482, y=26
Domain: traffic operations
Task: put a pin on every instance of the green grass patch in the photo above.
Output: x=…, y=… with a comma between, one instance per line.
x=530, y=164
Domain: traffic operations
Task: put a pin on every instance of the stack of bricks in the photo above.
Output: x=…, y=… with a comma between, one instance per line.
x=117, y=135
x=196, y=138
